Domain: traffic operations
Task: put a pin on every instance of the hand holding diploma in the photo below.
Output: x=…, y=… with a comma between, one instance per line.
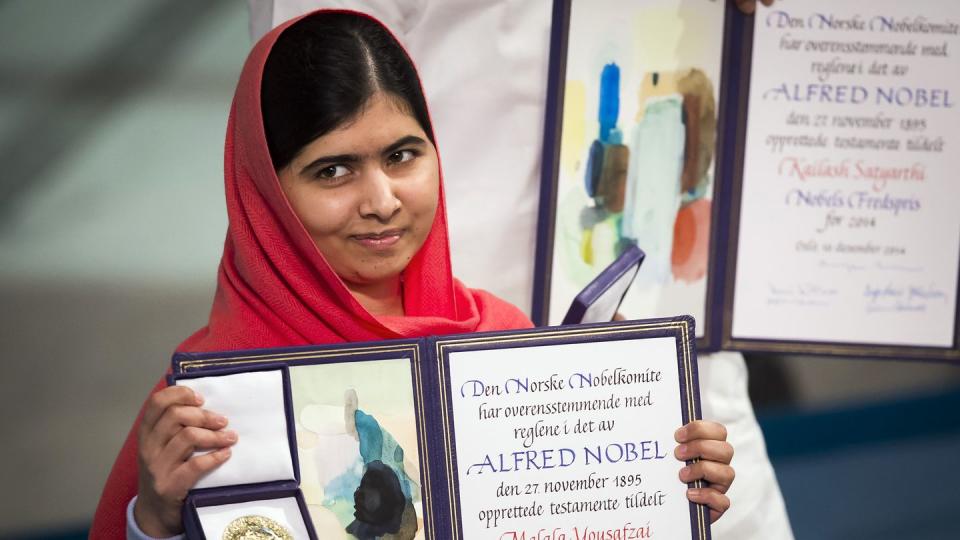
x=706, y=442
x=749, y=6
x=175, y=426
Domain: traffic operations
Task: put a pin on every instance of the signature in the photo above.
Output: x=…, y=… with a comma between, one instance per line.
x=801, y=294
x=803, y=290
x=896, y=306
x=906, y=298
x=883, y=292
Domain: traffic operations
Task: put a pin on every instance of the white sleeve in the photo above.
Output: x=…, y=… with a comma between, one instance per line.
x=398, y=15
x=756, y=509
x=134, y=532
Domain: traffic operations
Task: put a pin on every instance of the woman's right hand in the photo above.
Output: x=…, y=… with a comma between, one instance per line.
x=174, y=426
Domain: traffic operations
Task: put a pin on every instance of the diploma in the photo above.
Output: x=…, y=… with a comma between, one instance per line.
x=848, y=221
x=569, y=434
x=788, y=174
x=541, y=433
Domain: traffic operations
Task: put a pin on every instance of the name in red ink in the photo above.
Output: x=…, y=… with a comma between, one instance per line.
x=628, y=531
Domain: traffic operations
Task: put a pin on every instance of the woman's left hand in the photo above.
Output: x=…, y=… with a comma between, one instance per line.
x=708, y=442
x=749, y=6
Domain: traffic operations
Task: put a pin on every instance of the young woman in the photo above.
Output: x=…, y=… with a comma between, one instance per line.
x=337, y=233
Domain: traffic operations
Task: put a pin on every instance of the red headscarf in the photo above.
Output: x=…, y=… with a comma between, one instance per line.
x=274, y=287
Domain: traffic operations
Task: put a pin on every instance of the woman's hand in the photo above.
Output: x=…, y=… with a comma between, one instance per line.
x=708, y=442
x=749, y=6
x=173, y=427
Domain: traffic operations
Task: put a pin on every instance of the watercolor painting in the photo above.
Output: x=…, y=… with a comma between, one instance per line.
x=637, y=151
x=358, y=449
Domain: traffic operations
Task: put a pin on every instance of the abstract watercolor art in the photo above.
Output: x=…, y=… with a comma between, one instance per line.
x=358, y=449
x=636, y=151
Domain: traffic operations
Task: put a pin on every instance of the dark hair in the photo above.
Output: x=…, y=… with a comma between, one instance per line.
x=321, y=72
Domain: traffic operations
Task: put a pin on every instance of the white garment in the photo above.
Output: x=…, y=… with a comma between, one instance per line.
x=756, y=505
x=133, y=529
x=483, y=64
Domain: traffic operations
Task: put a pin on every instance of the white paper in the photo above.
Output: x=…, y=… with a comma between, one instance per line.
x=627, y=444
x=285, y=511
x=849, y=228
x=253, y=405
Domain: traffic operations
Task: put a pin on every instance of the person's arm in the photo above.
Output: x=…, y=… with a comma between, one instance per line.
x=134, y=532
x=708, y=442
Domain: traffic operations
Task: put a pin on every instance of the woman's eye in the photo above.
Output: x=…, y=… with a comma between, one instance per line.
x=401, y=156
x=332, y=171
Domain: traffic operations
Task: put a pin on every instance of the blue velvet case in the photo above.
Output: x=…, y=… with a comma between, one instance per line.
x=626, y=267
x=216, y=496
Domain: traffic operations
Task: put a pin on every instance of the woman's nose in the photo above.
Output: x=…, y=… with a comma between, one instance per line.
x=379, y=201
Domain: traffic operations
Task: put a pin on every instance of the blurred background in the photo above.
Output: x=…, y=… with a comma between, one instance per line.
x=112, y=117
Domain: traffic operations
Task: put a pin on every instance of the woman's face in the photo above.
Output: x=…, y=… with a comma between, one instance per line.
x=367, y=191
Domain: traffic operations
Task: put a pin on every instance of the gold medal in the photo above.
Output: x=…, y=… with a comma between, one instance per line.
x=256, y=528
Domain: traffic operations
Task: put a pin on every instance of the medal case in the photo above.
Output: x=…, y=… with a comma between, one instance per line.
x=262, y=476
x=599, y=301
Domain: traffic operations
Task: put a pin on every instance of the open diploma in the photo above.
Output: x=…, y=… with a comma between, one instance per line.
x=849, y=224
x=549, y=433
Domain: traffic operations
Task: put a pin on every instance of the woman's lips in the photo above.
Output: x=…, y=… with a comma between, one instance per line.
x=381, y=240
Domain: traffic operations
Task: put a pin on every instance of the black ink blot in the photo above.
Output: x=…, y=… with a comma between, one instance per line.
x=378, y=503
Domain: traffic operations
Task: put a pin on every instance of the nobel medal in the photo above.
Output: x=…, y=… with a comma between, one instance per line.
x=256, y=528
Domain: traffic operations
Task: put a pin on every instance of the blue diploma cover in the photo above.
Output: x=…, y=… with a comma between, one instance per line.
x=600, y=299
